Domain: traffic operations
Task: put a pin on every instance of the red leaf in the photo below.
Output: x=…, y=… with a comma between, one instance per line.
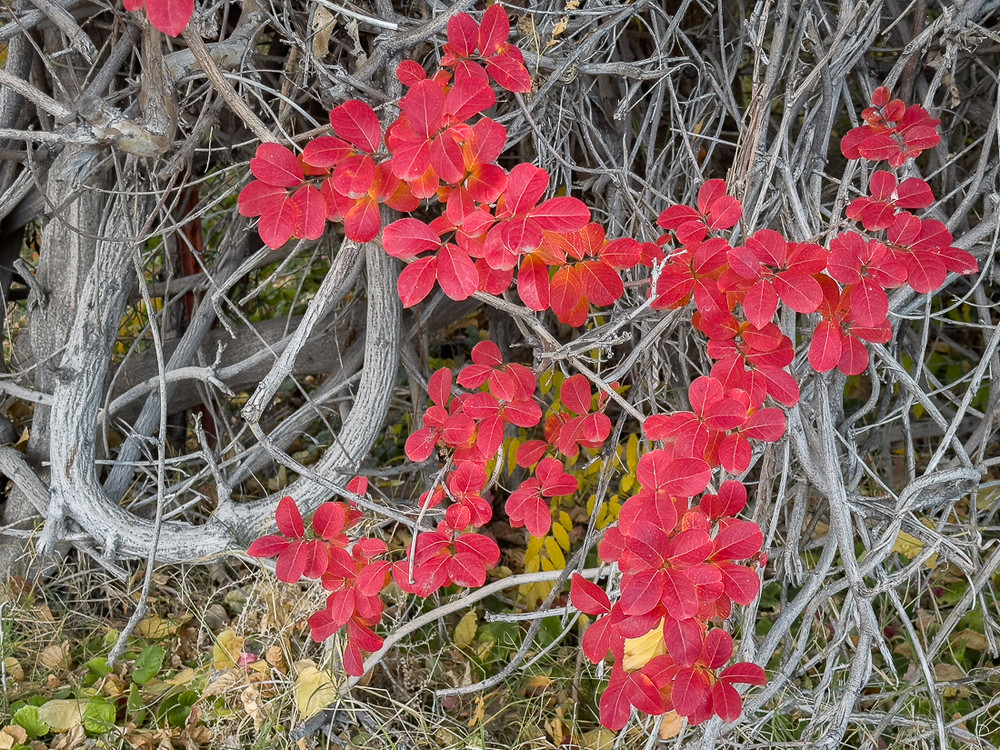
x=533, y=283
x=423, y=106
x=325, y=151
x=615, y=707
x=741, y=584
x=276, y=165
x=760, y=303
x=684, y=640
x=679, y=596
x=691, y=691
x=312, y=213
x=363, y=222
x=718, y=648
x=732, y=498
x=744, y=673
x=170, y=16
x=575, y=394
x=562, y=214
x=456, y=273
x=588, y=597
x=463, y=34
x=641, y=592
x=735, y=453
x=292, y=562
x=738, y=540
x=690, y=547
x=493, y=29
x=601, y=283
x=289, y=519
x=467, y=569
x=257, y=197
x=278, y=223
x=329, y=520
x=354, y=661
x=410, y=72
x=526, y=184
x=407, y=238
x=686, y=477
x=357, y=123
x=416, y=281
x=825, y=349
x=766, y=424
x=447, y=159
x=869, y=304
x=726, y=702
x=268, y=546
x=643, y=694
x=509, y=73
x=597, y=640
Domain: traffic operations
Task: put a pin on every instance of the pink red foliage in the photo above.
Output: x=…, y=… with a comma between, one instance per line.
x=683, y=556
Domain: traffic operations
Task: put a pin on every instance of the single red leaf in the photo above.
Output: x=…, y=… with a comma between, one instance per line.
x=684, y=640
x=679, y=595
x=726, y=702
x=615, y=706
x=170, y=16
x=312, y=213
x=597, y=640
x=364, y=221
x=509, y=72
x=463, y=34
x=641, y=591
x=718, y=648
x=456, y=272
x=407, y=238
x=416, y=281
x=575, y=394
x=467, y=569
x=329, y=520
x=744, y=673
x=356, y=122
x=267, y=546
x=292, y=562
x=258, y=197
x=325, y=151
x=276, y=165
x=493, y=29
x=691, y=691
x=588, y=597
x=289, y=519
x=741, y=584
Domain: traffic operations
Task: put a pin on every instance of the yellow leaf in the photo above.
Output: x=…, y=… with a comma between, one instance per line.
x=565, y=520
x=639, y=651
x=61, y=715
x=632, y=453
x=911, y=547
x=555, y=554
x=14, y=669
x=314, y=690
x=55, y=658
x=183, y=677
x=156, y=627
x=479, y=713
x=465, y=631
x=227, y=649
x=671, y=725
x=627, y=482
x=561, y=536
x=598, y=739
x=512, y=445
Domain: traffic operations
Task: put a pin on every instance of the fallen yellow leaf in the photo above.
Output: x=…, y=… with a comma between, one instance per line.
x=14, y=669
x=55, y=658
x=61, y=715
x=465, y=631
x=313, y=690
x=909, y=546
x=639, y=651
x=671, y=725
x=227, y=649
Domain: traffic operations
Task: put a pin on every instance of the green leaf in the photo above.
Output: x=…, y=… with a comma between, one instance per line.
x=136, y=705
x=27, y=718
x=99, y=716
x=148, y=664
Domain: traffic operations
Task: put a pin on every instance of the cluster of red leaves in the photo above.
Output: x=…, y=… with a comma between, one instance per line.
x=430, y=151
x=467, y=430
x=846, y=284
x=680, y=569
x=683, y=556
x=350, y=571
x=169, y=16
